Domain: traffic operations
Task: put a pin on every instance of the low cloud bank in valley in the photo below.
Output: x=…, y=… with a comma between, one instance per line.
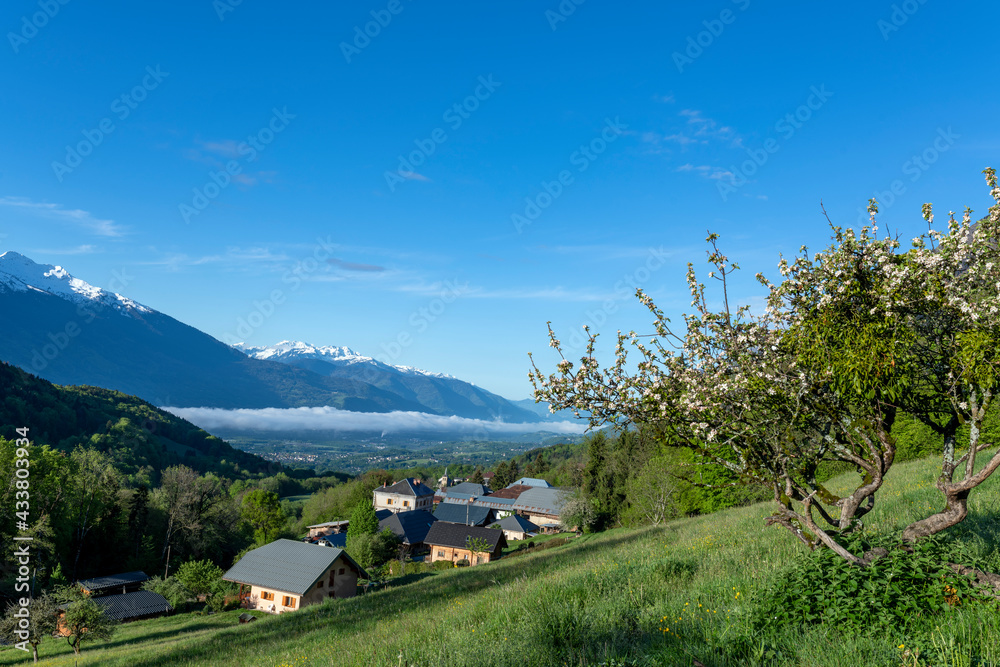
x=332, y=419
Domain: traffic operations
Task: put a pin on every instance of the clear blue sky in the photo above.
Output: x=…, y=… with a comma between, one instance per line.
x=425, y=266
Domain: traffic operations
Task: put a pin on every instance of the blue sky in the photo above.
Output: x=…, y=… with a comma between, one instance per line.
x=241, y=163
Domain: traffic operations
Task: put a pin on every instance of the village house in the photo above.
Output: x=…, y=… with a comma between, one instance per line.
x=286, y=575
x=328, y=528
x=501, y=506
x=450, y=542
x=465, y=513
x=515, y=527
x=405, y=495
x=531, y=481
x=542, y=506
x=410, y=527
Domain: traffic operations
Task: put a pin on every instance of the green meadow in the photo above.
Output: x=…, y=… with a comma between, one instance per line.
x=669, y=595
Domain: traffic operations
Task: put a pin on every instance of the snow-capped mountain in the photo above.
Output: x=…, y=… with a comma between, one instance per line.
x=442, y=394
x=68, y=331
x=20, y=274
x=289, y=350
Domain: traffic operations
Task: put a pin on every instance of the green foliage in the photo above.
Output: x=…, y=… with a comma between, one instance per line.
x=363, y=520
x=907, y=588
x=477, y=476
x=86, y=621
x=370, y=550
x=262, y=510
x=141, y=438
x=172, y=588
x=199, y=576
x=503, y=475
x=43, y=620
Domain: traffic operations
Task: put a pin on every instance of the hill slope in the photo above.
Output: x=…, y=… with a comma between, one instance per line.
x=648, y=596
x=64, y=417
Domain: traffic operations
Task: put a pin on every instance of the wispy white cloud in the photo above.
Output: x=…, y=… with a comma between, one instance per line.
x=707, y=171
x=76, y=216
x=78, y=250
x=545, y=293
x=332, y=419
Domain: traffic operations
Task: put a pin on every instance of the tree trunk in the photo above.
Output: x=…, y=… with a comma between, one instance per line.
x=955, y=511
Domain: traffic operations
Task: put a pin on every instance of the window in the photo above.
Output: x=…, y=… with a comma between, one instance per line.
x=440, y=553
x=341, y=570
x=288, y=601
x=388, y=501
x=266, y=595
x=319, y=584
x=406, y=503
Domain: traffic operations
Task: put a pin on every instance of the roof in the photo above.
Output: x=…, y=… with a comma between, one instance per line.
x=338, y=540
x=287, y=565
x=136, y=604
x=411, y=526
x=531, y=481
x=462, y=513
x=517, y=524
x=470, y=488
x=487, y=501
x=113, y=582
x=542, y=501
x=407, y=487
x=456, y=535
x=330, y=524
x=512, y=491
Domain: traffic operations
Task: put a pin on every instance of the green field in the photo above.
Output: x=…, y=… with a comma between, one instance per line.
x=650, y=596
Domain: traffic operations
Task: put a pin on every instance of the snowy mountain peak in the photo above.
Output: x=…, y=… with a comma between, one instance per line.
x=288, y=350
x=20, y=274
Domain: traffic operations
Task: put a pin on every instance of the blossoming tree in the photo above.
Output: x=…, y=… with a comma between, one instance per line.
x=850, y=337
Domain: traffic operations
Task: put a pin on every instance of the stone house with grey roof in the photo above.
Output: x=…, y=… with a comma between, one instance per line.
x=405, y=495
x=450, y=542
x=286, y=575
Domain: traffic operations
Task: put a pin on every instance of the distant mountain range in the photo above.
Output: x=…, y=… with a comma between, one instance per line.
x=69, y=332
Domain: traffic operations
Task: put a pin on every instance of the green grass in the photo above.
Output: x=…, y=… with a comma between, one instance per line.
x=650, y=596
x=514, y=545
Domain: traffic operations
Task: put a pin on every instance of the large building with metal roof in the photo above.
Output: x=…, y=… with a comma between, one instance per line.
x=286, y=575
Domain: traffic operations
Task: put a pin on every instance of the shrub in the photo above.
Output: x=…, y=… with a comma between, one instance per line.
x=441, y=565
x=176, y=593
x=904, y=588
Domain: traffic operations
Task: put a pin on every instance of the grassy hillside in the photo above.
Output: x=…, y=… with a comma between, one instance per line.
x=651, y=596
